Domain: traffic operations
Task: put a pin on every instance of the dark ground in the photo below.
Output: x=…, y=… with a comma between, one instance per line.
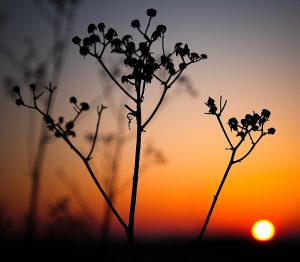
x=218, y=250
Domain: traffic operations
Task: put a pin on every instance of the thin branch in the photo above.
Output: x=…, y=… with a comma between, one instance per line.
x=155, y=76
x=96, y=132
x=38, y=96
x=130, y=110
x=78, y=114
x=163, y=44
x=59, y=130
x=103, y=49
x=113, y=78
x=85, y=161
x=156, y=108
x=241, y=141
x=252, y=141
x=173, y=81
x=51, y=90
x=145, y=34
x=224, y=131
x=143, y=90
x=216, y=196
x=222, y=107
x=250, y=150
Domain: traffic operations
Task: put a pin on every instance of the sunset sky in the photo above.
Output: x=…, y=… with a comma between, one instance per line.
x=253, y=50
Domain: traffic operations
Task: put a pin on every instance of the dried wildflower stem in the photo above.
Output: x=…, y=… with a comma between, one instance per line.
x=109, y=203
x=139, y=130
x=143, y=65
x=112, y=77
x=215, y=198
x=96, y=132
x=248, y=125
x=85, y=159
x=223, y=129
x=250, y=150
x=156, y=108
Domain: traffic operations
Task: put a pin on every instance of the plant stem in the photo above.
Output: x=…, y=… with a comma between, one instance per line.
x=156, y=108
x=231, y=162
x=123, y=224
x=224, y=131
x=139, y=130
x=87, y=165
x=113, y=78
x=250, y=150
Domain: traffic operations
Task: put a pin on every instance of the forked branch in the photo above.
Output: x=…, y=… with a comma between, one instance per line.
x=250, y=124
x=67, y=131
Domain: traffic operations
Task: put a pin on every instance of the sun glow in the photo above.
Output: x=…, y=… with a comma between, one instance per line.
x=263, y=230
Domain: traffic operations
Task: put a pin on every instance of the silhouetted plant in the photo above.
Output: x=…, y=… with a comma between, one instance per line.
x=36, y=67
x=142, y=67
x=251, y=127
x=112, y=149
x=65, y=129
x=113, y=143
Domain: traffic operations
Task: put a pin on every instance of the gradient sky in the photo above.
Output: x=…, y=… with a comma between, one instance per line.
x=253, y=50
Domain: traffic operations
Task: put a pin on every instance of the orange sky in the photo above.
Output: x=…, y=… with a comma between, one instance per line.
x=253, y=62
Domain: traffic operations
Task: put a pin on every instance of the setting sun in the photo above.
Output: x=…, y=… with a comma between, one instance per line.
x=263, y=230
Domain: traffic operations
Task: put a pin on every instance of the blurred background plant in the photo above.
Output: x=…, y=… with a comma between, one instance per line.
x=39, y=65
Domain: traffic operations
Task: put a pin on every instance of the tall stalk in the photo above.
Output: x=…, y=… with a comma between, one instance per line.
x=135, y=178
x=140, y=61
